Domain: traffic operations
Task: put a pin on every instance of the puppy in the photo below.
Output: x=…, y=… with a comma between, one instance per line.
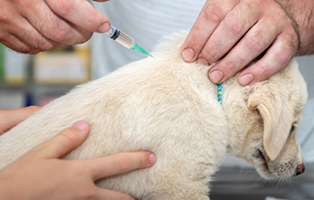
x=167, y=106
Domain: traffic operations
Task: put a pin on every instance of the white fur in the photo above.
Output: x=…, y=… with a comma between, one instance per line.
x=169, y=107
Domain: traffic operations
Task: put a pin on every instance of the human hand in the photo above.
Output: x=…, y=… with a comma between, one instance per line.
x=235, y=32
x=31, y=26
x=10, y=118
x=40, y=174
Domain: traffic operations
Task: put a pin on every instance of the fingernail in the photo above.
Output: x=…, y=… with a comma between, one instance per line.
x=152, y=158
x=216, y=76
x=202, y=61
x=104, y=28
x=188, y=55
x=246, y=79
x=81, y=125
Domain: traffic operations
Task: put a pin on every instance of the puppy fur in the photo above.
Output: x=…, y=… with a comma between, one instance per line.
x=167, y=106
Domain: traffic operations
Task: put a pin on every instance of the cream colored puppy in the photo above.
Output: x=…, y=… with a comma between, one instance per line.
x=169, y=107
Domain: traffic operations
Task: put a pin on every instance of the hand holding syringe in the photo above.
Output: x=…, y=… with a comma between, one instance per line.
x=125, y=40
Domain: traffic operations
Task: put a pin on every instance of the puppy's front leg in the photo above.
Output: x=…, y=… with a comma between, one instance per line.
x=176, y=197
x=192, y=190
x=177, y=177
x=182, y=179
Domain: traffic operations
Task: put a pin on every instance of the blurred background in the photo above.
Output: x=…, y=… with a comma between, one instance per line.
x=36, y=80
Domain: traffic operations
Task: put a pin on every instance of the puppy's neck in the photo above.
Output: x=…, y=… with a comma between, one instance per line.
x=236, y=113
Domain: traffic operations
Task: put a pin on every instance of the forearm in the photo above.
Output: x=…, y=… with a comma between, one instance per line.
x=302, y=12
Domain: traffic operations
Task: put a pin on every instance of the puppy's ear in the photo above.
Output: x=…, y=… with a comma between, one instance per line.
x=273, y=106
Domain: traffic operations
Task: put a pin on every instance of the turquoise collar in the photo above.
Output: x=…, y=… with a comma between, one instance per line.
x=220, y=87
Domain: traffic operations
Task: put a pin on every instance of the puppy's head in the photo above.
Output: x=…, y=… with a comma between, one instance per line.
x=271, y=144
x=270, y=122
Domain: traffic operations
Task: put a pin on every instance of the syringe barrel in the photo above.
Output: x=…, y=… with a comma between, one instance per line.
x=125, y=40
x=120, y=37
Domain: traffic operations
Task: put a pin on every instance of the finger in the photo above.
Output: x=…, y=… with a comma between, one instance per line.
x=103, y=194
x=9, y=39
x=256, y=41
x=80, y=13
x=31, y=38
x=10, y=118
x=54, y=27
x=211, y=15
x=230, y=31
x=276, y=58
x=120, y=163
x=14, y=30
x=61, y=144
x=13, y=42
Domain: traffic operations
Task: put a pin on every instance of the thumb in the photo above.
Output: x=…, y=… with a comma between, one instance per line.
x=61, y=144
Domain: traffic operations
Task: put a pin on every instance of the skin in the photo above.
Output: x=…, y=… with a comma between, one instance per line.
x=42, y=174
x=31, y=26
x=232, y=33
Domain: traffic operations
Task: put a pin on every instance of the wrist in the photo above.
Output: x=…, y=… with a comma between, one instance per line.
x=301, y=12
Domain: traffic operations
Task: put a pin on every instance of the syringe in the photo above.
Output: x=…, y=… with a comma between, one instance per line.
x=125, y=40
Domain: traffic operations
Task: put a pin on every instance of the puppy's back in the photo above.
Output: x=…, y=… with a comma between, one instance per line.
x=142, y=102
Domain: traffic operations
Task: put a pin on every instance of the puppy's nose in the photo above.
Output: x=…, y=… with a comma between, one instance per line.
x=300, y=169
